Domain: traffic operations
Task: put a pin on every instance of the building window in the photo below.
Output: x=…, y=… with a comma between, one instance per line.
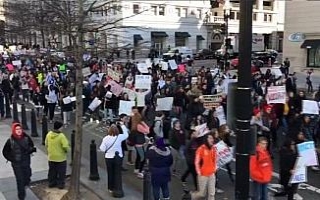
x=254, y=16
x=180, y=41
x=178, y=12
x=267, y=5
x=162, y=10
x=184, y=12
x=232, y=15
x=153, y=10
x=267, y=18
x=215, y=14
x=199, y=11
x=136, y=8
x=238, y=15
x=314, y=57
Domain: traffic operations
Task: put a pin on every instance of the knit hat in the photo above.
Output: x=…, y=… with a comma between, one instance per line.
x=160, y=143
x=14, y=131
x=256, y=111
x=57, y=125
x=266, y=107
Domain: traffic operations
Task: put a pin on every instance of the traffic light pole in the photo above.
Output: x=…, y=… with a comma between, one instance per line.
x=226, y=18
x=245, y=139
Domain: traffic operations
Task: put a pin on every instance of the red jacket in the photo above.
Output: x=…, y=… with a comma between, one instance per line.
x=261, y=166
x=206, y=160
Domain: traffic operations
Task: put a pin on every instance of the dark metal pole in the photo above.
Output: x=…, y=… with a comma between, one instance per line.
x=226, y=18
x=44, y=129
x=245, y=139
x=8, y=109
x=34, y=130
x=15, y=111
x=94, y=174
x=24, y=117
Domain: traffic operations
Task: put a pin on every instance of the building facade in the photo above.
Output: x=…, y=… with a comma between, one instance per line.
x=302, y=33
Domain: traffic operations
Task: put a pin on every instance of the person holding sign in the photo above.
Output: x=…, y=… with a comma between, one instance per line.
x=261, y=170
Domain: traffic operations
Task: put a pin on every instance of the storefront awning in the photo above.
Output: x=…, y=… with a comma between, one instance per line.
x=159, y=34
x=311, y=44
x=199, y=37
x=137, y=37
x=182, y=34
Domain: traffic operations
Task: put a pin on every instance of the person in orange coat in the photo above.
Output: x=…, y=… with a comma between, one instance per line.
x=261, y=170
x=206, y=167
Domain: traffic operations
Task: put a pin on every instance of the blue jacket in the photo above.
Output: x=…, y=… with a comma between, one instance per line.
x=160, y=161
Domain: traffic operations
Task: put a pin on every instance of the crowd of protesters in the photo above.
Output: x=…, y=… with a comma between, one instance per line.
x=148, y=134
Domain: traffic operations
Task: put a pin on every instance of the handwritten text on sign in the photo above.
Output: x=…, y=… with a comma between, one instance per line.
x=224, y=153
x=211, y=101
x=143, y=81
x=276, y=94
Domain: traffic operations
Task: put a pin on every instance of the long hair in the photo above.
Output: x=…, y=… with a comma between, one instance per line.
x=113, y=130
x=135, y=120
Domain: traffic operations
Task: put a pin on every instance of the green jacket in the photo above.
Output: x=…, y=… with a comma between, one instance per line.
x=57, y=146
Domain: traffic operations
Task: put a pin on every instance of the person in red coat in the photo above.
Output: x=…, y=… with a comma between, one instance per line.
x=261, y=170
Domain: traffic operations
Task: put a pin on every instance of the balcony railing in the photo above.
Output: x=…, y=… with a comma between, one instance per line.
x=267, y=8
x=209, y=20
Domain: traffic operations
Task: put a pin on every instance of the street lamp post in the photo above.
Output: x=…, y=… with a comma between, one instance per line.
x=226, y=15
x=245, y=138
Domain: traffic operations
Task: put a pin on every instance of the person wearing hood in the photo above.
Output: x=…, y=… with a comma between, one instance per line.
x=57, y=146
x=160, y=161
x=17, y=150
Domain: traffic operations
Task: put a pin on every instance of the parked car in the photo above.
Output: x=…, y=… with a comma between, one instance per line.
x=264, y=56
x=185, y=53
x=204, y=54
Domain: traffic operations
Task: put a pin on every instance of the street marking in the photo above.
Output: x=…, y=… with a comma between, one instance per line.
x=2, y=196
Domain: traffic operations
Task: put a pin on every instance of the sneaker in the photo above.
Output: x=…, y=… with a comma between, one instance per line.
x=314, y=168
x=136, y=171
x=130, y=163
x=140, y=175
x=219, y=191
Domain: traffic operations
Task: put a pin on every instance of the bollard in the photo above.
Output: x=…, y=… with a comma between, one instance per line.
x=15, y=112
x=34, y=130
x=147, y=185
x=94, y=174
x=118, y=191
x=8, y=109
x=24, y=118
x=44, y=129
x=72, y=143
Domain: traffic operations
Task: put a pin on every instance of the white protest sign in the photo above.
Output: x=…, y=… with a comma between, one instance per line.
x=173, y=64
x=86, y=71
x=164, y=66
x=100, y=77
x=131, y=93
x=202, y=130
x=212, y=101
x=16, y=62
x=75, y=98
x=67, y=100
x=156, y=60
x=310, y=107
x=164, y=104
x=93, y=78
x=276, y=94
x=94, y=104
x=125, y=107
x=161, y=84
x=300, y=172
x=307, y=152
x=141, y=99
x=143, y=68
x=221, y=116
x=224, y=153
x=143, y=82
x=114, y=75
x=148, y=62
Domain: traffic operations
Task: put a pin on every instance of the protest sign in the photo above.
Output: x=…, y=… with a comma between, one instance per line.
x=224, y=153
x=307, y=152
x=148, y=62
x=211, y=101
x=161, y=84
x=201, y=130
x=116, y=89
x=143, y=82
x=140, y=99
x=276, y=94
x=143, y=68
x=67, y=100
x=156, y=60
x=164, y=104
x=194, y=80
x=75, y=98
x=86, y=71
x=16, y=62
x=164, y=66
x=125, y=107
x=131, y=93
x=300, y=172
x=173, y=64
x=93, y=78
x=94, y=104
x=114, y=75
x=310, y=107
x=100, y=76
x=221, y=116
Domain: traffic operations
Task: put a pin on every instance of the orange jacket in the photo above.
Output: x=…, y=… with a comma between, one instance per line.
x=261, y=166
x=206, y=161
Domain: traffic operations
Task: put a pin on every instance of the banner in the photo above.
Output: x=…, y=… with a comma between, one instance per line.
x=143, y=68
x=173, y=64
x=310, y=107
x=116, y=89
x=300, y=172
x=164, y=104
x=94, y=104
x=308, y=154
x=143, y=82
x=224, y=153
x=211, y=101
x=276, y=94
x=114, y=75
x=125, y=107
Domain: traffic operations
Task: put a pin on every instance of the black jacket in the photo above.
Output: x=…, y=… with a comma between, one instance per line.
x=287, y=162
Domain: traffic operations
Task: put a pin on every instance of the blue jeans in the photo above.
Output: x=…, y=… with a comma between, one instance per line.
x=156, y=190
x=260, y=191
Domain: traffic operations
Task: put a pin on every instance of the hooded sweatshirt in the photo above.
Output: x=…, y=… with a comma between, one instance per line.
x=57, y=146
x=261, y=166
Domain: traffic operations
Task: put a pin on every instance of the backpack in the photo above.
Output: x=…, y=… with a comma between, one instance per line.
x=152, y=133
x=52, y=96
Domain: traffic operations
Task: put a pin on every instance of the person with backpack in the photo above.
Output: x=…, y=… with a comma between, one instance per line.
x=52, y=100
x=156, y=130
x=18, y=150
